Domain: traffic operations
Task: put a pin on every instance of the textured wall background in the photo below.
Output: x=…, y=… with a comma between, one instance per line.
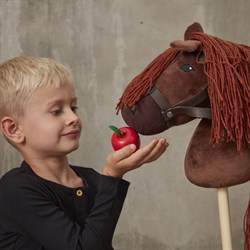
x=106, y=43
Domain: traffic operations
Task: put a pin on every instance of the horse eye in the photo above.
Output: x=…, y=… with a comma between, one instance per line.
x=187, y=68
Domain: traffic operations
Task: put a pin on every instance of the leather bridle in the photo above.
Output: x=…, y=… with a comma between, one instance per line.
x=186, y=107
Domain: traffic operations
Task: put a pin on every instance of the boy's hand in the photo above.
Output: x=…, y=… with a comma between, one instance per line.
x=126, y=159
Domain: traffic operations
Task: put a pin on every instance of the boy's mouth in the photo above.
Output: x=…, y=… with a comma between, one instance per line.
x=72, y=133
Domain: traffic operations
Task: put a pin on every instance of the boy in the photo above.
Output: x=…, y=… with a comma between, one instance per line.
x=46, y=203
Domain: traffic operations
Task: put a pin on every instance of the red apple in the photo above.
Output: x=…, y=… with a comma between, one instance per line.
x=124, y=136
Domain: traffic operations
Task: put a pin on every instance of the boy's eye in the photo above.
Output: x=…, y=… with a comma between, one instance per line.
x=56, y=112
x=74, y=109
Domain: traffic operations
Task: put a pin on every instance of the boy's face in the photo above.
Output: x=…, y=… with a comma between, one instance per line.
x=50, y=123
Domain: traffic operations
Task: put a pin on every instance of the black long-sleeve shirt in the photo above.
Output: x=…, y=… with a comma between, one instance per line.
x=37, y=214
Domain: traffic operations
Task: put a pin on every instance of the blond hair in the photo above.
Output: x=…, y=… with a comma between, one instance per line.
x=21, y=76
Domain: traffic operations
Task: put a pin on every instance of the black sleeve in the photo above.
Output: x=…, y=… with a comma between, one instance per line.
x=28, y=208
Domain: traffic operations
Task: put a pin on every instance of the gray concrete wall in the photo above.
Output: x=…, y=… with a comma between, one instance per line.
x=107, y=42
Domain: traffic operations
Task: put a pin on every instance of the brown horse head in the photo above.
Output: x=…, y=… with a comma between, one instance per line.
x=201, y=77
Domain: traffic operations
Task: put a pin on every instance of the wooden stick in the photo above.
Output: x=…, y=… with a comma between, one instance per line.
x=224, y=214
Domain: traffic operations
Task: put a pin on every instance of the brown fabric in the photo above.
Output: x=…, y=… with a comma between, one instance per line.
x=194, y=27
x=215, y=166
x=188, y=46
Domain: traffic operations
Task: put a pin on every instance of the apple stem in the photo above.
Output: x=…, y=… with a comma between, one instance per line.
x=116, y=130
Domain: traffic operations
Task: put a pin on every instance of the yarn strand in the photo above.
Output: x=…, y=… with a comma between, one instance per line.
x=227, y=66
x=141, y=85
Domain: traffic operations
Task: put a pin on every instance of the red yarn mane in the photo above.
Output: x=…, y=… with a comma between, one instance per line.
x=141, y=85
x=227, y=66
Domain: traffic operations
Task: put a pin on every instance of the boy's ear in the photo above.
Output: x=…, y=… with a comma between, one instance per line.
x=11, y=130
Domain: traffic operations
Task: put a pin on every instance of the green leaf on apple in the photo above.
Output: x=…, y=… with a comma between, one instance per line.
x=116, y=130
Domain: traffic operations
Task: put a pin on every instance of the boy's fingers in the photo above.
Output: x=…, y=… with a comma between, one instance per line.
x=157, y=151
x=148, y=153
x=124, y=152
x=151, y=151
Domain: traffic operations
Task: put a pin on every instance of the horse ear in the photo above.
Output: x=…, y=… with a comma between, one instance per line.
x=195, y=27
x=188, y=46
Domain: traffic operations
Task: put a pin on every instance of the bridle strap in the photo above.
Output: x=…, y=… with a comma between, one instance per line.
x=196, y=112
x=182, y=108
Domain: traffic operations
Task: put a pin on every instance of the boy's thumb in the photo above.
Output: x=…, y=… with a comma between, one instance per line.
x=126, y=151
x=132, y=147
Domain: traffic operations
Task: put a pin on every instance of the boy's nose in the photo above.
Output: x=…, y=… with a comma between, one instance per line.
x=72, y=118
